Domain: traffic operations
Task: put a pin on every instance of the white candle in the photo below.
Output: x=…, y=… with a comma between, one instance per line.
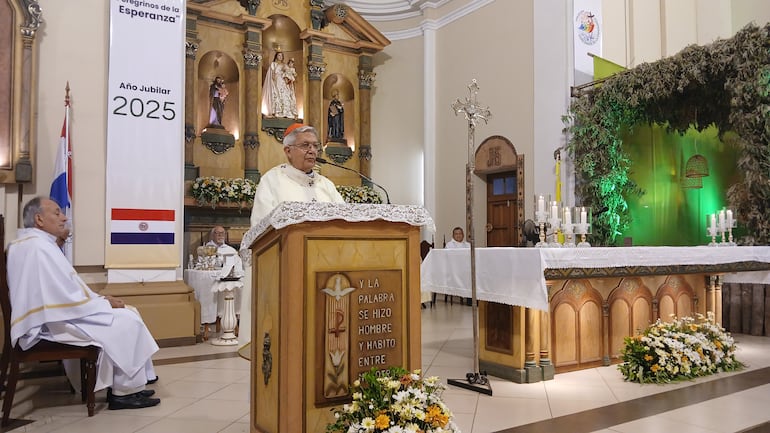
x=713, y=224
x=554, y=210
x=583, y=216
x=721, y=219
x=567, y=216
x=729, y=218
x=541, y=204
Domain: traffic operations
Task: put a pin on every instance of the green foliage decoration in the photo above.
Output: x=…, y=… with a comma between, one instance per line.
x=726, y=84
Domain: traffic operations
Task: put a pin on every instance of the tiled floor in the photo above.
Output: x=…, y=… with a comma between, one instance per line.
x=205, y=389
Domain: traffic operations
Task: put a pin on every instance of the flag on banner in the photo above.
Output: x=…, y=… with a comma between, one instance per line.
x=142, y=227
x=61, y=187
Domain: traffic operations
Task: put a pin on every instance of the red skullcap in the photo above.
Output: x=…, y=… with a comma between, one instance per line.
x=292, y=127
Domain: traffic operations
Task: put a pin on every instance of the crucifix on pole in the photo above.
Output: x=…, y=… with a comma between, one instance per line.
x=475, y=380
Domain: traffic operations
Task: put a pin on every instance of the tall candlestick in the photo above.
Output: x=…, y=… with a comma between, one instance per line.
x=722, y=219
x=541, y=204
x=713, y=224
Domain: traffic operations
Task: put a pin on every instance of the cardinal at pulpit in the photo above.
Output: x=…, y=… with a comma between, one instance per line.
x=295, y=180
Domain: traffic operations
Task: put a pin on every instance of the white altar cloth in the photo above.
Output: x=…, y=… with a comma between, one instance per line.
x=515, y=276
x=208, y=291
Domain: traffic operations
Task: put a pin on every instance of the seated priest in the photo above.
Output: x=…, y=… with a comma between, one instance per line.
x=295, y=180
x=49, y=301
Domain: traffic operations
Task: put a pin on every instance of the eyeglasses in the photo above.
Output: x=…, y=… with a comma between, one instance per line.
x=307, y=146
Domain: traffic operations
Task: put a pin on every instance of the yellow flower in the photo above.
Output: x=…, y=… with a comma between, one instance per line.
x=655, y=368
x=382, y=422
x=648, y=357
x=436, y=417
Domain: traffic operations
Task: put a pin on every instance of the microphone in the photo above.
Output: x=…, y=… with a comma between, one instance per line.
x=320, y=160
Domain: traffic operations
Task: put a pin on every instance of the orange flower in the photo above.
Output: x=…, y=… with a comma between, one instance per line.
x=648, y=357
x=382, y=422
x=655, y=368
x=435, y=417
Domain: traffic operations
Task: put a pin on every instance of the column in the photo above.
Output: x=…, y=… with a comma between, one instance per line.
x=365, y=80
x=314, y=110
x=718, y=300
x=545, y=341
x=252, y=59
x=711, y=295
x=32, y=22
x=191, y=50
x=531, y=346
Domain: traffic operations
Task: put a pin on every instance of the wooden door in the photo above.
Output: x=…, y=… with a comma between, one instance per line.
x=502, y=210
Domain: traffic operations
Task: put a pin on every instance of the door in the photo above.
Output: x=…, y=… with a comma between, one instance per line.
x=502, y=210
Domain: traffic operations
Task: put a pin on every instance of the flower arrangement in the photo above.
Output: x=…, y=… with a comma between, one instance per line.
x=682, y=349
x=394, y=401
x=212, y=190
x=359, y=194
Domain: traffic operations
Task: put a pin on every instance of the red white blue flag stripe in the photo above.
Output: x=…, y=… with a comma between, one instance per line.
x=61, y=187
x=142, y=226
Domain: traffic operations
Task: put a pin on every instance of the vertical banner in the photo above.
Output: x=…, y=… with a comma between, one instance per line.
x=145, y=146
x=587, y=37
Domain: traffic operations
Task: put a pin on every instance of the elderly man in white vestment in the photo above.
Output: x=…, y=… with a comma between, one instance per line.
x=50, y=302
x=295, y=181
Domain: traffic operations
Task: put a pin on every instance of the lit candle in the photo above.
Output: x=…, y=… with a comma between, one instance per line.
x=722, y=219
x=713, y=224
x=541, y=204
x=583, y=216
x=729, y=218
x=554, y=210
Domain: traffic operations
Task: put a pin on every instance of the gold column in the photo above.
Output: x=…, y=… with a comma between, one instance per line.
x=365, y=80
x=711, y=299
x=315, y=70
x=718, y=300
x=532, y=346
x=252, y=58
x=191, y=49
x=545, y=341
x=23, y=170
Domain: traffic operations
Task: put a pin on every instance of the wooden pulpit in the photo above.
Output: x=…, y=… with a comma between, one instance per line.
x=336, y=292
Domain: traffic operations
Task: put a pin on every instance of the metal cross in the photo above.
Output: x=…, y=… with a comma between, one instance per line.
x=470, y=108
x=473, y=113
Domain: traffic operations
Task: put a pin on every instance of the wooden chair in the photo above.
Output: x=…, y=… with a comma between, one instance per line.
x=42, y=351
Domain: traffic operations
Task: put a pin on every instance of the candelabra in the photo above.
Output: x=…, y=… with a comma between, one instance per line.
x=568, y=225
x=555, y=223
x=541, y=218
x=583, y=225
x=720, y=225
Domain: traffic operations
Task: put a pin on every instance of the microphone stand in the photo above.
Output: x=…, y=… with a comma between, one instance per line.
x=361, y=175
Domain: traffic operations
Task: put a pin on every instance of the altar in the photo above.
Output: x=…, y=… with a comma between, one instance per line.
x=546, y=310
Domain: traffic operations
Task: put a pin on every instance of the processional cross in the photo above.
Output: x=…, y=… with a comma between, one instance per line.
x=473, y=114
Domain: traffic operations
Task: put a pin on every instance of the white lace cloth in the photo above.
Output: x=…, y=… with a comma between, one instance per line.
x=514, y=276
x=292, y=212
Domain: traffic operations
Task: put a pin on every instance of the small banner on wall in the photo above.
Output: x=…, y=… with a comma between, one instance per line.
x=145, y=147
x=587, y=36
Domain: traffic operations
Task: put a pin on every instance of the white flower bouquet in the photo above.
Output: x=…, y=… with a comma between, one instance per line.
x=682, y=349
x=394, y=401
x=213, y=190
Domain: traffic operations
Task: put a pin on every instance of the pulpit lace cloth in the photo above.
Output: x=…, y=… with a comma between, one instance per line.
x=290, y=212
x=514, y=276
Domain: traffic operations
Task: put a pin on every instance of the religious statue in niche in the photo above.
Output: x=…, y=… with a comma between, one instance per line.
x=336, y=119
x=217, y=93
x=278, y=96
